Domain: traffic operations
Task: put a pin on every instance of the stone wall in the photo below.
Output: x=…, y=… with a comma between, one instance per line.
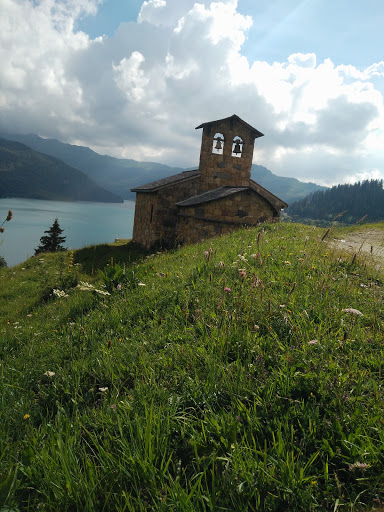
x=223, y=216
x=156, y=219
x=144, y=232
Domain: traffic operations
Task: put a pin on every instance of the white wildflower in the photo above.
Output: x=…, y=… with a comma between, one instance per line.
x=48, y=373
x=59, y=293
x=353, y=311
x=101, y=292
x=86, y=287
x=103, y=390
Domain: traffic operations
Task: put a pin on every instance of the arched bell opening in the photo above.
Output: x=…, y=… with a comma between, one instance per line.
x=218, y=144
x=237, y=146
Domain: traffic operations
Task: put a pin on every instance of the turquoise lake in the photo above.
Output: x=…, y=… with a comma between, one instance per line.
x=83, y=223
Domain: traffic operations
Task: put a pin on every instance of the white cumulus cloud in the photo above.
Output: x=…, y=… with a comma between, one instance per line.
x=141, y=92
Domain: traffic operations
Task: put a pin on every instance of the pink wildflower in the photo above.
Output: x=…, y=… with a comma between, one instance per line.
x=226, y=289
x=312, y=342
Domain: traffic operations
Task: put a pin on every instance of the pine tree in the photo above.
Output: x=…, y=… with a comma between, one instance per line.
x=52, y=241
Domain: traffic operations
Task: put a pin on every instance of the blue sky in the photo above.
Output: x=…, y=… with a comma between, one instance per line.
x=346, y=31
x=132, y=78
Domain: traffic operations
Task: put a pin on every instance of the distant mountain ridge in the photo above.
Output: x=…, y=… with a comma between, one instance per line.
x=25, y=172
x=287, y=189
x=120, y=175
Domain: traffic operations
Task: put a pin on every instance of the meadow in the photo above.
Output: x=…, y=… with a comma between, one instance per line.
x=243, y=373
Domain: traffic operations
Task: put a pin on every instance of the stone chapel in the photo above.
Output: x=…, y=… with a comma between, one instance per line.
x=216, y=198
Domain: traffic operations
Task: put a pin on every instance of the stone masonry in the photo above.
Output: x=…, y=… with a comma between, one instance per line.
x=214, y=199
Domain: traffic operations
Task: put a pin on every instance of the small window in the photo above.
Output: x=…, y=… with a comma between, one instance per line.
x=218, y=144
x=237, y=146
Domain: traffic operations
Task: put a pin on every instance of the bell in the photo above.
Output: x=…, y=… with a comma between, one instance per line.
x=237, y=149
x=218, y=144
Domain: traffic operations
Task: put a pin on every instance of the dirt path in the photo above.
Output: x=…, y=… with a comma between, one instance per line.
x=368, y=242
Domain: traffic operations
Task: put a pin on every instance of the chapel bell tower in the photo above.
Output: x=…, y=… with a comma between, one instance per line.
x=226, y=153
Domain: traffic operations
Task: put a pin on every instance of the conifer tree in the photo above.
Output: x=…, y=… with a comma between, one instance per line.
x=52, y=241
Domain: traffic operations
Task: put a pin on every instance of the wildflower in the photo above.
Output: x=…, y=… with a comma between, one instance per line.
x=102, y=292
x=226, y=289
x=360, y=465
x=113, y=406
x=103, y=390
x=220, y=264
x=141, y=284
x=118, y=287
x=84, y=286
x=59, y=293
x=26, y=416
x=287, y=262
x=207, y=254
x=352, y=311
x=243, y=274
x=49, y=373
x=312, y=342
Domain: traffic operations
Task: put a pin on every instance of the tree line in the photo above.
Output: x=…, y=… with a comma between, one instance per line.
x=345, y=203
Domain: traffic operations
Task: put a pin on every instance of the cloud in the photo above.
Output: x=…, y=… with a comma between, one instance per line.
x=140, y=93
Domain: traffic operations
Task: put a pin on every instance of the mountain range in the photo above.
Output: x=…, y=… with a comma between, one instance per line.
x=27, y=173
x=120, y=175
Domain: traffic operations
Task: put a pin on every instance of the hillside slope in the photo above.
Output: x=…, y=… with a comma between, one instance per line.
x=27, y=173
x=243, y=373
x=115, y=174
x=348, y=203
x=120, y=175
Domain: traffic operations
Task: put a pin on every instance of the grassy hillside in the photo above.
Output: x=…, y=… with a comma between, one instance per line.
x=27, y=173
x=244, y=373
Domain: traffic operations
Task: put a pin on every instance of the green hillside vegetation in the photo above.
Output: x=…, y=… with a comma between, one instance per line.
x=244, y=373
x=120, y=175
x=27, y=173
x=346, y=203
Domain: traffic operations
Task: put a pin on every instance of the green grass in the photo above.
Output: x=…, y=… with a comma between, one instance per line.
x=232, y=380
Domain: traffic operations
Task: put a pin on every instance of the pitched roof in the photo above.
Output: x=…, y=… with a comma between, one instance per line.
x=219, y=193
x=271, y=198
x=211, y=195
x=255, y=132
x=170, y=180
